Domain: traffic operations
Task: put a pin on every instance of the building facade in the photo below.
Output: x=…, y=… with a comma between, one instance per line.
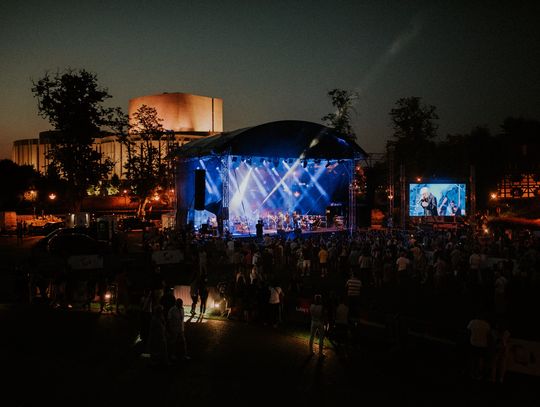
x=185, y=117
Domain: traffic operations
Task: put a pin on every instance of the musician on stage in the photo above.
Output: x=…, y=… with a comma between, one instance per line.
x=428, y=202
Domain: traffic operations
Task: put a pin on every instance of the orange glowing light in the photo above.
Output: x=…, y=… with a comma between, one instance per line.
x=52, y=196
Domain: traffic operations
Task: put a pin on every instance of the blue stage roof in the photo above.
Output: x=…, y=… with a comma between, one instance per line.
x=287, y=139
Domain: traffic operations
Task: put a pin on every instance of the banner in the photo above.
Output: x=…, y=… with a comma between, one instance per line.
x=524, y=357
x=167, y=257
x=86, y=262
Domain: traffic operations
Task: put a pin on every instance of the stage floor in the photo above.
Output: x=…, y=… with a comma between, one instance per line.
x=290, y=233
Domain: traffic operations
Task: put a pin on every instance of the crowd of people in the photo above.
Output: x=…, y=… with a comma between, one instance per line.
x=443, y=277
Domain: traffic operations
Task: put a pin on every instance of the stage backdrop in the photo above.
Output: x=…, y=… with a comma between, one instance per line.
x=260, y=187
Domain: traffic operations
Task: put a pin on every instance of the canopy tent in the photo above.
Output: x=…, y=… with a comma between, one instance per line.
x=287, y=138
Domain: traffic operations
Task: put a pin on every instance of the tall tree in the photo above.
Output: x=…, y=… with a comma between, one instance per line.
x=343, y=102
x=414, y=128
x=147, y=168
x=414, y=120
x=73, y=102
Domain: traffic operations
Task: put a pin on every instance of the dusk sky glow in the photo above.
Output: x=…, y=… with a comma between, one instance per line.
x=476, y=61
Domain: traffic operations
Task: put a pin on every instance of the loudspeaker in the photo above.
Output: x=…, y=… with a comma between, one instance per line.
x=200, y=189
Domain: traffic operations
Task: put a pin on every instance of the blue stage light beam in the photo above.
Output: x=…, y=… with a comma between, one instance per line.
x=282, y=181
x=237, y=199
x=209, y=182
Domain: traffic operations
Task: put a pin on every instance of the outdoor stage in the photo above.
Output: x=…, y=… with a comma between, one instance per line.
x=288, y=177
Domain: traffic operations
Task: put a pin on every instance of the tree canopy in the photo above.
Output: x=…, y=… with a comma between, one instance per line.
x=147, y=170
x=340, y=119
x=414, y=120
x=73, y=103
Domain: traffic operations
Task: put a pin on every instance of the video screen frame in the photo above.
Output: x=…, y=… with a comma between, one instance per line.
x=438, y=199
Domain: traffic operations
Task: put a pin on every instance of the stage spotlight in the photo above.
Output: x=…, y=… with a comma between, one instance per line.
x=328, y=164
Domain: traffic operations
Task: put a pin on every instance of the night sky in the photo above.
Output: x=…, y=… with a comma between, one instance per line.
x=477, y=62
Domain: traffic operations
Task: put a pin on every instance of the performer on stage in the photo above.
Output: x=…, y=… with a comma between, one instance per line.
x=428, y=202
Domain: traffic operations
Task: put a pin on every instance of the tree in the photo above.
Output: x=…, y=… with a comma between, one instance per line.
x=342, y=101
x=414, y=128
x=147, y=170
x=413, y=120
x=16, y=180
x=72, y=101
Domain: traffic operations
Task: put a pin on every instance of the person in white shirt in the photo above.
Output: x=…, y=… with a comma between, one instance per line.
x=402, y=264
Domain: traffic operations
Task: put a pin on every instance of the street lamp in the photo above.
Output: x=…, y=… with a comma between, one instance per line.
x=52, y=196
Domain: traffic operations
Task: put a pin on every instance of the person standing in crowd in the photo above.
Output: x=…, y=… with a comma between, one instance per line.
x=274, y=302
x=122, y=291
x=323, y=260
x=318, y=324
x=157, y=340
x=158, y=284
x=402, y=265
x=167, y=300
x=499, y=346
x=353, y=286
x=146, y=316
x=341, y=326
x=480, y=331
x=175, y=329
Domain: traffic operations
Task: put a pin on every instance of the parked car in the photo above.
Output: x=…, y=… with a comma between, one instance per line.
x=43, y=243
x=44, y=229
x=76, y=244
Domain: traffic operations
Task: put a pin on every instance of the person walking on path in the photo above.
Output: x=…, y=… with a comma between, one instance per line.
x=203, y=293
x=194, y=294
x=318, y=322
x=175, y=329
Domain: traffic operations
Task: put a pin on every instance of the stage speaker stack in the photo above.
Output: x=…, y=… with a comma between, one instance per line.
x=200, y=189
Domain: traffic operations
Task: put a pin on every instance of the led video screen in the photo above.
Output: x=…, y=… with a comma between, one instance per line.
x=437, y=199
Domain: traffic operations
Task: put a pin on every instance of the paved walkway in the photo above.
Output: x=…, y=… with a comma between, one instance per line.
x=79, y=358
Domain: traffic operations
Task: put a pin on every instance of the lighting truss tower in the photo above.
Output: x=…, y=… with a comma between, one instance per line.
x=353, y=188
x=224, y=172
x=391, y=187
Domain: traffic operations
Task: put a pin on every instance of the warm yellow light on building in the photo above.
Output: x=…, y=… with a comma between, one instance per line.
x=493, y=195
